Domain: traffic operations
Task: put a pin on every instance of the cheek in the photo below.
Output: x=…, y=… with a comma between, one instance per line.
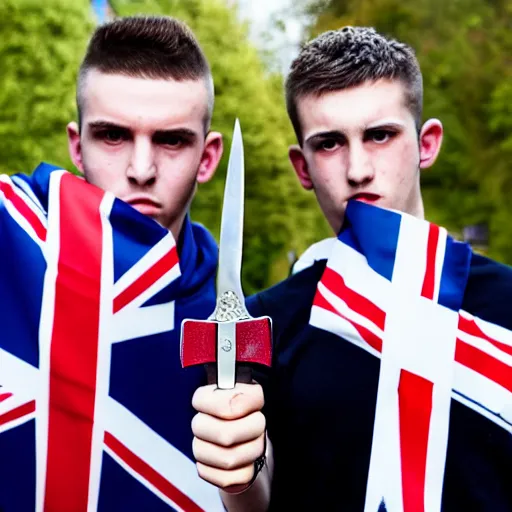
x=177, y=180
x=104, y=172
x=105, y=164
x=398, y=164
x=326, y=171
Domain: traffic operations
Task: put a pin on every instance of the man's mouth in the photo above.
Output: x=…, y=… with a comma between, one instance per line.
x=144, y=204
x=366, y=197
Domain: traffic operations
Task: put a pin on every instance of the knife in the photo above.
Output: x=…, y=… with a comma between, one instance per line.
x=230, y=340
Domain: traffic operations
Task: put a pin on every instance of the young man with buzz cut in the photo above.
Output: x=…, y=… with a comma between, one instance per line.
x=391, y=380
x=95, y=409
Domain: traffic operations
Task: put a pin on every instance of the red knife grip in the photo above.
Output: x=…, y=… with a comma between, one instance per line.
x=253, y=341
x=198, y=342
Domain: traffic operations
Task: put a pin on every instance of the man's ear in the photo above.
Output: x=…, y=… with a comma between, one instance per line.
x=431, y=137
x=300, y=166
x=210, y=159
x=75, y=146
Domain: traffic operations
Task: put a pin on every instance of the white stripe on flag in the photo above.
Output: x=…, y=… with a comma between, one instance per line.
x=480, y=390
x=52, y=248
x=420, y=339
x=164, y=458
x=152, y=257
x=104, y=352
x=341, y=306
x=358, y=276
x=331, y=322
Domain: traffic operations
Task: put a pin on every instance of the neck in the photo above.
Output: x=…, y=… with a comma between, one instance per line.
x=176, y=227
x=419, y=210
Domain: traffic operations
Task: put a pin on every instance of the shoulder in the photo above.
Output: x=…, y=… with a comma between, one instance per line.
x=289, y=301
x=316, y=252
x=37, y=185
x=489, y=291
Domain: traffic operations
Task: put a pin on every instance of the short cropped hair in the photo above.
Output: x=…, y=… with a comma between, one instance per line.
x=349, y=57
x=153, y=47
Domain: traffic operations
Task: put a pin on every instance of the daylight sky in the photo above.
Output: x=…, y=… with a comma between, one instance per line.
x=259, y=13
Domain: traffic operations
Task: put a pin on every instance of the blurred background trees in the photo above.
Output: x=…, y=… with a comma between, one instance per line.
x=464, y=48
x=41, y=44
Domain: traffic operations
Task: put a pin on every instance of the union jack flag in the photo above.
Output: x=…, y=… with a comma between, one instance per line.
x=95, y=409
x=393, y=286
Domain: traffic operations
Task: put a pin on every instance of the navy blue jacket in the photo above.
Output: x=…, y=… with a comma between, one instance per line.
x=321, y=398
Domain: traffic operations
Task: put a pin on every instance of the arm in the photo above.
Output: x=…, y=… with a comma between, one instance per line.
x=229, y=436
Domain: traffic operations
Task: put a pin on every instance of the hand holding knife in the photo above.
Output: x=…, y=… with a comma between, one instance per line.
x=229, y=429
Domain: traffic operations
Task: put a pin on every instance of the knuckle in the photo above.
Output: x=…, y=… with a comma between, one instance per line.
x=226, y=438
x=245, y=474
x=196, y=448
x=230, y=462
x=261, y=447
x=262, y=421
x=259, y=395
x=202, y=397
x=199, y=392
x=196, y=423
x=203, y=472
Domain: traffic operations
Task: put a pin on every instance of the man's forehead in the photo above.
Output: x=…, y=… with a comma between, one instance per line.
x=355, y=108
x=141, y=101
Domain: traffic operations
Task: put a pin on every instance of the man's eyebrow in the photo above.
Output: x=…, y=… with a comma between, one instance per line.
x=385, y=123
x=324, y=135
x=183, y=132
x=104, y=125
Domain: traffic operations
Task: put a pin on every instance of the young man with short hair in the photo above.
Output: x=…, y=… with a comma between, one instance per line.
x=90, y=332
x=355, y=100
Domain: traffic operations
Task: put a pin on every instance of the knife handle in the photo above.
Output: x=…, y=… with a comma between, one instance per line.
x=202, y=343
x=253, y=341
x=243, y=373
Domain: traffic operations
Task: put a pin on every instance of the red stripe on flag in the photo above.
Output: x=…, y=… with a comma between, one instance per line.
x=74, y=347
x=368, y=336
x=5, y=396
x=484, y=364
x=415, y=409
x=358, y=303
x=469, y=326
x=160, y=268
x=24, y=210
x=17, y=413
x=321, y=302
x=150, y=475
x=429, y=282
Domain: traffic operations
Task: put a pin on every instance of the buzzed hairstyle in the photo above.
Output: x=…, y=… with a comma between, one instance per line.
x=349, y=57
x=153, y=47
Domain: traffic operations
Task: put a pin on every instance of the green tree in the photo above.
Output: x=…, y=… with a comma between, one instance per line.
x=41, y=44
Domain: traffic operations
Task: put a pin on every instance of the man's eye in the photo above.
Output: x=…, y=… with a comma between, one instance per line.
x=112, y=136
x=381, y=136
x=328, y=145
x=172, y=141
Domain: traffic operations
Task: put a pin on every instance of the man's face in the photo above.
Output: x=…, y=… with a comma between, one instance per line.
x=144, y=141
x=361, y=143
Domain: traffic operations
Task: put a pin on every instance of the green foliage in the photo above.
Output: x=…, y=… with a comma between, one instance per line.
x=464, y=49
x=41, y=44
x=279, y=216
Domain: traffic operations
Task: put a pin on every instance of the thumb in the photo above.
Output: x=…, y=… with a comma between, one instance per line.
x=229, y=404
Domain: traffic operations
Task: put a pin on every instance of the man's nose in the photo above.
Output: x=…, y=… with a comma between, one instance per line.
x=360, y=167
x=142, y=168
